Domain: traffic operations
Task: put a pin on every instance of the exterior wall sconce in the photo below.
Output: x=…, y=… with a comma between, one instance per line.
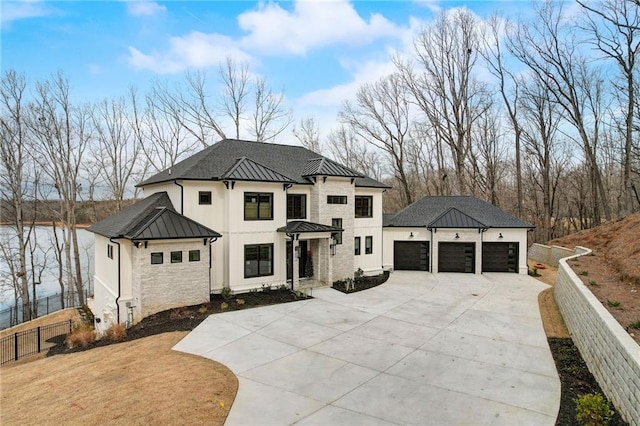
x=457, y=236
x=332, y=248
x=411, y=235
x=500, y=236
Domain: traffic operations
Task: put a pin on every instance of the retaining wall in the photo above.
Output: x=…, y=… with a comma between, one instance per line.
x=549, y=255
x=612, y=356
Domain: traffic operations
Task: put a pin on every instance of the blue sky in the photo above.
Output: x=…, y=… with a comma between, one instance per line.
x=319, y=52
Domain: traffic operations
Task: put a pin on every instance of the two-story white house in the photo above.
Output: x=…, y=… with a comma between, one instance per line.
x=285, y=215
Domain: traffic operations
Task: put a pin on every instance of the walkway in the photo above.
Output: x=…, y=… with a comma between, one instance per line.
x=450, y=349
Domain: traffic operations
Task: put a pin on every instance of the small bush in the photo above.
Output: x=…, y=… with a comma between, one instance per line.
x=584, y=273
x=593, y=409
x=635, y=324
x=88, y=313
x=594, y=283
x=358, y=276
x=266, y=288
x=203, y=309
x=226, y=293
x=115, y=333
x=613, y=303
x=283, y=287
x=82, y=335
x=239, y=302
x=254, y=292
x=224, y=306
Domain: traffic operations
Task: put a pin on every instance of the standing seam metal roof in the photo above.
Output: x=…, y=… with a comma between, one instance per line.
x=247, y=169
x=325, y=167
x=454, y=218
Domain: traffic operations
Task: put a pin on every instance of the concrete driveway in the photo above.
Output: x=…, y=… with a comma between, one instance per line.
x=450, y=349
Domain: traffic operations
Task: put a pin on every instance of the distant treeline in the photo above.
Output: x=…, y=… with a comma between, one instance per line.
x=47, y=211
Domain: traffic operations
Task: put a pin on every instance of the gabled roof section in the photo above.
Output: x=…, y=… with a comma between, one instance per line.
x=290, y=161
x=247, y=169
x=167, y=224
x=427, y=211
x=454, y=218
x=325, y=167
x=301, y=226
x=150, y=219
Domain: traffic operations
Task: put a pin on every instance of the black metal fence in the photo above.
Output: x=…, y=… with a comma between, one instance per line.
x=44, y=306
x=31, y=342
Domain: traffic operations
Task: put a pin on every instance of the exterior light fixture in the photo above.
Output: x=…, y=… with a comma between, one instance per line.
x=500, y=236
x=411, y=235
x=332, y=248
x=457, y=236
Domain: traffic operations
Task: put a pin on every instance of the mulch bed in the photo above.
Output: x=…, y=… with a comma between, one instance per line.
x=189, y=317
x=361, y=283
x=575, y=379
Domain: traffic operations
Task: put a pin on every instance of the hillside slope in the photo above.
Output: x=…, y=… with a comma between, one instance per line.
x=618, y=242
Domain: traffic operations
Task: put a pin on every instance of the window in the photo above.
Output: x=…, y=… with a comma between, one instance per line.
x=356, y=245
x=109, y=251
x=336, y=199
x=364, y=206
x=337, y=222
x=156, y=259
x=368, y=245
x=258, y=206
x=258, y=260
x=176, y=257
x=296, y=206
x=194, y=255
x=204, y=197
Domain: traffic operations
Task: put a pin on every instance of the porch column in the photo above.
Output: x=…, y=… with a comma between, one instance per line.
x=295, y=269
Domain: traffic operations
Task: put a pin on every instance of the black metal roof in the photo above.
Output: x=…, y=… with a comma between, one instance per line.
x=152, y=218
x=247, y=169
x=290, y=161
x=325, y=167
x=454, y=218
x=301, y=226
x=426, y=211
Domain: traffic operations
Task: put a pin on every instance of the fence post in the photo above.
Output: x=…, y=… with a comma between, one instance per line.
x=38, y=339
x=47, y=305
x=15, y=346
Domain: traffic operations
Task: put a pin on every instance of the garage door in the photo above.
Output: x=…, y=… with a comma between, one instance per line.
x=411, y=255
x=500, y=257
x=457, y=257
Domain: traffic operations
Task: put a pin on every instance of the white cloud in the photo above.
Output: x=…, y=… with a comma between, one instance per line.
x=144, y=8
x=310, y=24
x=16, y=10
x=195, y=50
x=432, y=5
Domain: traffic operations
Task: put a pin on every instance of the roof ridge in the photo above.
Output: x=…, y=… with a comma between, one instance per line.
x=148, y=223
x=243, y=159
x=450, y=209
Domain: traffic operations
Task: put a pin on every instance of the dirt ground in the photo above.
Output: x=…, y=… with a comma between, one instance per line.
x=139, y=382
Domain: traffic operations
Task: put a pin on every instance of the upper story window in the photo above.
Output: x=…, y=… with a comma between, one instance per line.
x=176, y=257
x=296, y=206
x=109, y=251
x=194, y=255
x=336, y=199
x=364, y=206
x=258, y=206
x=337, y=222
x=204, y=197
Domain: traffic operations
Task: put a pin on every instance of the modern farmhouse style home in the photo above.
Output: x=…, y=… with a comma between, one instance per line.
x=243, y=215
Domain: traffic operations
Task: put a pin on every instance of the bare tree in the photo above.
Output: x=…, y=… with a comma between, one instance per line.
x=443, y=83
x=308, y=133
x=380, y=116
x=270, y=116
x=235, y=91
x=116, y=151
x=347, y=149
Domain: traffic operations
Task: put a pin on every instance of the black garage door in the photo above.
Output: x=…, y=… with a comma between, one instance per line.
x=457, y=257
x=500, y=257
x=411, y=255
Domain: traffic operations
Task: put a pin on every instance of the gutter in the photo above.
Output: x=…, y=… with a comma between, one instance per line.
x=181, y=196
x=119, y=281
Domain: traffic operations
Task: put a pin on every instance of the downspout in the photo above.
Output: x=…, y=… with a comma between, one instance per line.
x=431, y=250
x=211, y=241
x=181, y=196
x=119, y=280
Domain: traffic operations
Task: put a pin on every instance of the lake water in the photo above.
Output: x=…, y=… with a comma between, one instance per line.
x=49, y=285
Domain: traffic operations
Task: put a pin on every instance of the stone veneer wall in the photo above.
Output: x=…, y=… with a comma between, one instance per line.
x=612, y=356
x=550, y=255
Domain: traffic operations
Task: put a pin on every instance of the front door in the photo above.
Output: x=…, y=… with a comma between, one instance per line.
x=302, y=260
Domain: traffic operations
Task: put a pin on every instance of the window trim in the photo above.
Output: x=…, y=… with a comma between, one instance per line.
x=258, y=195
x=368, y=244
x=356, y=246
x=303, y=197
x=259, y=246
x=369, y=213
x=192, y=252
x=205, y=202
x=171, y=256
x=337, y=199
x=156, y=255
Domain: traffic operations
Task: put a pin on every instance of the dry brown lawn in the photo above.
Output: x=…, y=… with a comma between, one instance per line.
x=552, y=320
x=139, y=382
x=64, y=315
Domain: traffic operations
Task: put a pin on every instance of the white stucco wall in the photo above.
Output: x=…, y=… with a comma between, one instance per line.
x=371, y=264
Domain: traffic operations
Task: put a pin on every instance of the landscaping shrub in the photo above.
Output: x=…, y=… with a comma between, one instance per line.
x=82, y=335
x=115, y=333
x=593, y=409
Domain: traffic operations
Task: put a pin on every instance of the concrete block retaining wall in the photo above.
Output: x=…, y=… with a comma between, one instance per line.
x=549, y=255
x=612, y=356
